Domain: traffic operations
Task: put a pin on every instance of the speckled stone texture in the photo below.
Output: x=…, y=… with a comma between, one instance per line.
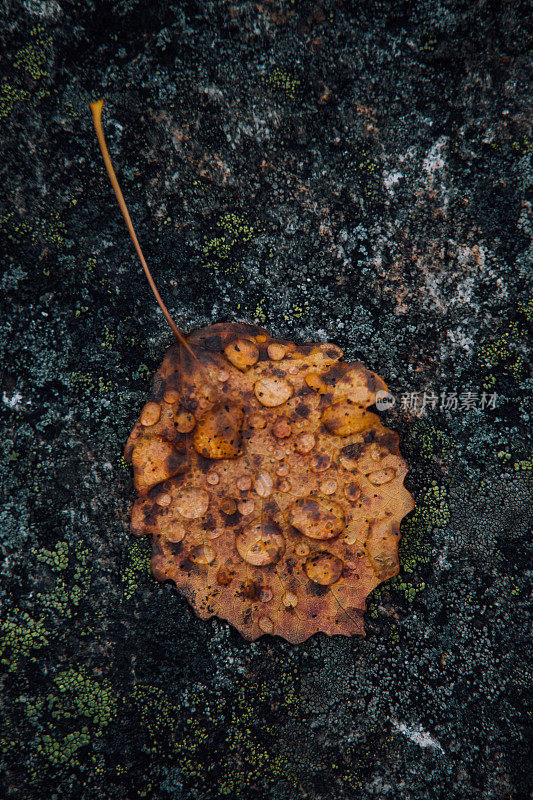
x=357, y=173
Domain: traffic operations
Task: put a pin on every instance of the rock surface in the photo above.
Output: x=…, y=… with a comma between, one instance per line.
x=349, y=172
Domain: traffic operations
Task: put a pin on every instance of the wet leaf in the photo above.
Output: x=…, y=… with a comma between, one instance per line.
x=273, y=497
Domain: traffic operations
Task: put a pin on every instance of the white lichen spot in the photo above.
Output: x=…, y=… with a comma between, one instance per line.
x=459, y=340
x=435, y=161
x=13, y=401
x=46, y=9
x=390, y=179
x=417, y=735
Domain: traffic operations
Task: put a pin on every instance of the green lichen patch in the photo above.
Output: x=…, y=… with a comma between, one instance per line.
x=56, y=559
x=33, y=58
x=433, y=444
x=298, y=311
x=432, y=511
x=88, y=383
x=80, y=695
x=526, y=308
x=231, y=742
x=281, y=81
x=64, y=750
x=20, y=636
x=23, y=634
x=32, y=61
x=10, y=96
x=505, y=353
x=224, y=246
x=137, y=568
x=71, y=714
x=525, y=464
x=48, y=229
